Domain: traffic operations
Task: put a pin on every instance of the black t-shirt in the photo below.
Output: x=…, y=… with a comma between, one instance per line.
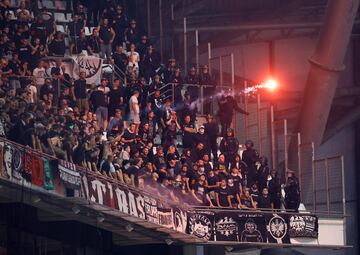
x=264, y=202
x=105, y=167
x=159, y=160
x=45, y=90
x=232, y=191
x=114, y=98
x=80, y=89
x=75, y=28
x=80, y=45
x=120, y=60
x=187, y=136
x=246, y=202
x=57, y=48
x=200, y=191
x=98, y=99
x=236, y=178
x=254, y=194
x=223, y=194
x=105, y=34
x=28, y=136
x=44, y=140
x=212, y=180
x=94, y=43
x=78, y=155
x=129, y=136
x=24, y=53
x=15, y=67
x=171, y=129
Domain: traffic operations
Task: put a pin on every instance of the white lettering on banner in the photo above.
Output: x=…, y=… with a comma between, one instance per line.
x=140, y=206
x=132, y=205
x=85, y=186
x=110, y=190
x=121, y=199
x=100, y=188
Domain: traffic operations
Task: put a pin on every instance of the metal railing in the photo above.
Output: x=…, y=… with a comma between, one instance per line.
x=168, y=91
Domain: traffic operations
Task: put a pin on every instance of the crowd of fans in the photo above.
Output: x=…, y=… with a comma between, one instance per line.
x=127, y=132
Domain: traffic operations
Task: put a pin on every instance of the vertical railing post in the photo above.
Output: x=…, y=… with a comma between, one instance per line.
x=299, y=162
x=286, y=154
x=343, y=195
x=172, y=37
x=202, y=99
x=259, y=122
x=173, y=92
x=161, y=31
x=148, y=9
x=221, y=71
x=185, y=46
x=313, y=171
x=327, y=185
x=232, y=70
x=273, y=139
x=197, y=50
x=246, y=109
x=209, y=56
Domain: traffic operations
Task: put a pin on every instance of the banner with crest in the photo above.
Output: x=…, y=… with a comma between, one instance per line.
x=91, y=65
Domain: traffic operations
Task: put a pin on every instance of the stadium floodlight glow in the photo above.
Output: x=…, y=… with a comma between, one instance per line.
x=169, y=241
x=129, y=228
x=75, y=209
x=271, y=84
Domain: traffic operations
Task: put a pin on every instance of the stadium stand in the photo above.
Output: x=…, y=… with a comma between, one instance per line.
x=125, y=127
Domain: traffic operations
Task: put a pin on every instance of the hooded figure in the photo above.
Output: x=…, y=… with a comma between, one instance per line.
x=229, y=146
x=292, y=191
x=262, y=174
x=275, y=190
x=201, y=137
x=227, y=106
x=250, y=156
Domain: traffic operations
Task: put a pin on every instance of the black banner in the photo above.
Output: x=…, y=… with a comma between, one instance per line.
x=303, y=226
x=69, y=175
x=201, y=224
x=226, y=227
x=252, y=227
x=277, y=228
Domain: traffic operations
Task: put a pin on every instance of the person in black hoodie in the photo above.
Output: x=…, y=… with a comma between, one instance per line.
x=227, y=106
x=201, y=137
x=198, y=152
x=177, y=81
x=263, y=173
x=292, y=191
x=206, y=80
x=193, y=79
x=275, y=190
x=17, y=132
x=212, y=131
x=250, y=156
x=188, y=130
x=229, y=146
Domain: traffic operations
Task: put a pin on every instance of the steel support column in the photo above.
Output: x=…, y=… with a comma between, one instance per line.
x=326, y=64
